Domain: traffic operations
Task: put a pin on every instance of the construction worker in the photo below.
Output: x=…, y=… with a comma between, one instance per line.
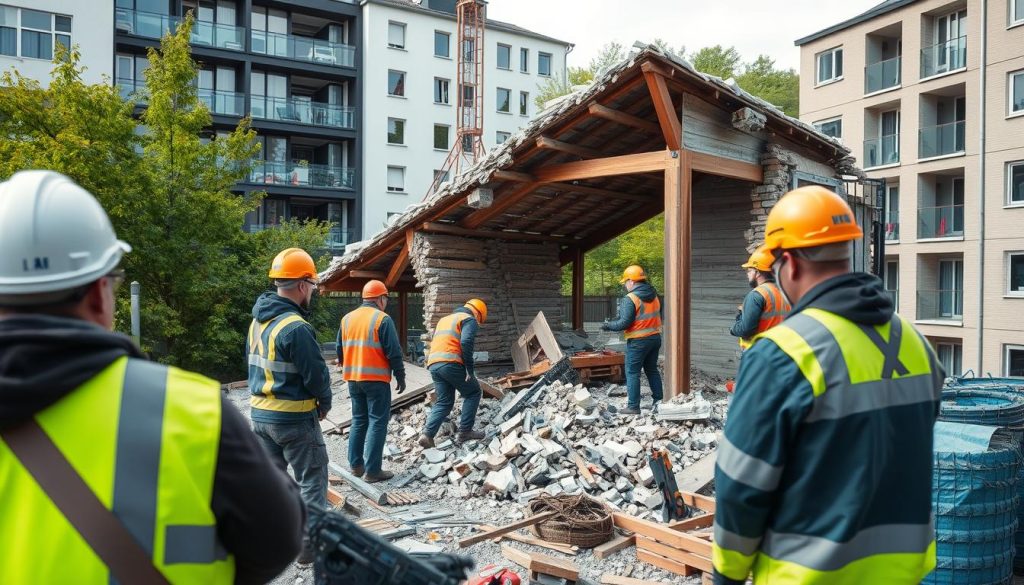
x=288, y=378
x=114, y=468
x=369, y=352
x=824, y=473
x=640, y=318
x=765, y=306
x=450, y=362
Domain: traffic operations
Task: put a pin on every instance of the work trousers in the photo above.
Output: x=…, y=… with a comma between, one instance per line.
x=449, y=377
x=371, y=411
x=301, y=445
x=642, y=354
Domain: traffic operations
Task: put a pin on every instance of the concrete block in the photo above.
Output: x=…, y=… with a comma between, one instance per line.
x=431, y=470
x=584, y=399
x=496, y=462
x=511, y=424
x=434, y=455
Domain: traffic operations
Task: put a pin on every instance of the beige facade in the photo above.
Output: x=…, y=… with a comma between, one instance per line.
x=908, y=91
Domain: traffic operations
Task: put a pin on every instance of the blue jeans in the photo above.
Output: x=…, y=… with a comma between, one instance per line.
x=300, y=444
x=371, y=410
x=642, y=353
x=449, y=377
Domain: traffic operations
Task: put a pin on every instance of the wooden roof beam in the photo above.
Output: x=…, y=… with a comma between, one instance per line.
x=557, y=145
x=401, y=263
x=598, y=192
x=455, y=230
x=726, y=167
x=513, y=176
x=624, y=118
x=645, y=162
x=368, y=274
x=671, y=125
x=478, y=218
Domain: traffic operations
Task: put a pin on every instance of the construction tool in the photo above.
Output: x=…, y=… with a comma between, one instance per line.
x=495, y=575
x=672, y=507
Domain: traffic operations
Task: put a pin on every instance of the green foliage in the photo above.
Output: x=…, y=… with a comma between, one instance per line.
x=611, y=53
x=168, y=193
x=603, y=266
x=780, y=87
x=557, y=86
x=717, y=60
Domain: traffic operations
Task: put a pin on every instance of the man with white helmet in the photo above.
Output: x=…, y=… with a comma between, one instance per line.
x=114, y=468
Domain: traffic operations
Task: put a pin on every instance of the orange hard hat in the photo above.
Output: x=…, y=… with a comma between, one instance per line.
x=293, y=263
x=761, y=260
x=374, y=289
x=479, y=308
x=634, y=273
x=810, y=216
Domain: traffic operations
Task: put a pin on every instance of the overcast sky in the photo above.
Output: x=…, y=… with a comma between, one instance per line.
x=752, y=26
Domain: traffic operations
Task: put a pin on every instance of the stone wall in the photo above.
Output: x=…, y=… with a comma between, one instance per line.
x=779, y=165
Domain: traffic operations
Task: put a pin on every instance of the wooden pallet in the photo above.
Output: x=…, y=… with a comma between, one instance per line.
x=681, y=547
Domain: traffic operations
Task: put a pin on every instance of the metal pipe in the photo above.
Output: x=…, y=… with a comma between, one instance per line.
x=136, y=335
x=981, y=188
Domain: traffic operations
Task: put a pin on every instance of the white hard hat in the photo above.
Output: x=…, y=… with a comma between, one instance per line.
x=54, y=236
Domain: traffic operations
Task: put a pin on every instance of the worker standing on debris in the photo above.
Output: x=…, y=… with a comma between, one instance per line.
x=113, y=467
x=369, y=352
x=450, y=362
x=824, y=473
x=288, y=377
x=765, y=306
x=640, y=318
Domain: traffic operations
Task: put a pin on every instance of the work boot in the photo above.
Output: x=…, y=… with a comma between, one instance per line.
x=630, y=410
x=307, y=555
x=469, y=435
x=382, y=476
x=426, y=441
x=358, y=471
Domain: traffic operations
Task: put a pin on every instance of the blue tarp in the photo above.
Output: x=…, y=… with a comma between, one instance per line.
x=953, y=437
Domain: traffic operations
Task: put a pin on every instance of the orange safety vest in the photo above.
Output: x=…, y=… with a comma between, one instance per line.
x=776, y=309
x=647, y=321
x=363, y=355
x=446, y=345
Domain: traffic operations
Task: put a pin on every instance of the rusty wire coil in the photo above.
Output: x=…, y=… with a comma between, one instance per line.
x=579, y=520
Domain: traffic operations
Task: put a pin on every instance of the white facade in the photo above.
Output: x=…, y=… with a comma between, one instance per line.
x=30, y=29
x=411, y=165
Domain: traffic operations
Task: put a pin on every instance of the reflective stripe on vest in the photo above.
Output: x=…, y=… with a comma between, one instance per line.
x=852, y=369
x=362, y=353
x=145, y=438
x=446, y=344
x=263, y=354
x=647, y=321
x=776, y=309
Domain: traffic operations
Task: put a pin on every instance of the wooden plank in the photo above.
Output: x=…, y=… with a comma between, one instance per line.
x=693, y=523
x=372, y=493
x=336, y=498
x=698, y=475
x=668, y=117
x=369, y=274
x=662, y=534
x=403, y=322
x=505, y=529
x=686, y=558
x=610, y=579
x=614, y=545
x=581, y=465
x=559, y=146
x=678, y=229
x=705, y=503
x=401, y=263
x=598, y=192
x=624, y=118
x=664, y=563
x=727, y=167
x=568, y=549
x=627, y=164
x=577, y=289
x=542, y=563
x=514, y=176
x=491, y=390
x=540, y=330
x=707, y=579
x=501, y=203
x=454, y=230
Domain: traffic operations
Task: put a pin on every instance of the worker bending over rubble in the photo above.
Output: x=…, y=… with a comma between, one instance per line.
x=114, y=468
x=765, y=306
x=640, y=318
x=288, y=378
x=368, y=352
x=450, y=362
x=824, y=472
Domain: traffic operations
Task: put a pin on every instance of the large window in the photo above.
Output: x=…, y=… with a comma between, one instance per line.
x=1015, y=88
x=396, y=179
x=396, y=131
x=830, y=65
x=951, y=289
x=1016, y=12
x=441, y=91
x=951, y=357
x=524, y=103
x=1015, y=183
x=36, y=32
x=832, y=127
x=504, y=57
x=396, y=83
x=1015, y=274
x=544, y=64
x=504, y=97
x=524, y=59
x=1013, y=361
x=442, y=44
x=441, y=136
x=891, y=281
x=396, y=35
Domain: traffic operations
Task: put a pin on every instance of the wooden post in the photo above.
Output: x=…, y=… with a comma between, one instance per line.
x=678, y=194
x=403, y=320
x=577, y=288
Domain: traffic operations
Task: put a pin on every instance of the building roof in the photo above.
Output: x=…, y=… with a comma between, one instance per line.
x=491, y=23
x=874, y=12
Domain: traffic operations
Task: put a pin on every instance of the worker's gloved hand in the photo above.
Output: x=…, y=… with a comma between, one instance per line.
x=470, y=376
x=400, y=385
x=604, y=326
x=322, y=414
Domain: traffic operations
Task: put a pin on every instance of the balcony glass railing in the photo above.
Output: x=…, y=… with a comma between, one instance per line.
x=941, y=140
x=882, y=75
x=302, y=112
x=302, y=175
x=940, y=305
x=940, y=222
x=152, y=25
x=884, y=150
x=336, y=241
x=132, y=90
x=227, y=103
x=303, y=48
x=944, y=57
x=892, y=226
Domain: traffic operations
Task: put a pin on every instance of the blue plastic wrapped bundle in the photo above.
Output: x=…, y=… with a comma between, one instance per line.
x=974, y=498
x=996, y=408
x=989, y=383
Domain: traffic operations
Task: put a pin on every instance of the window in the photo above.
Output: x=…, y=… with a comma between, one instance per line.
x=1015, y=274
x=892, y=213
x=501, y=137
x=396, y=83
x=396, y=131
x=1013, y=361
x=441, y=136
x=40, y=32
x=524, y=59
x=440, y=176
x=951, y=289
x=504, y=97
x=396, y=179
x=1015, y=86
x=468, y=95
x=396, y=35
x=467, y=142
x=833, y=127
x=1016, y=12
x=442, y=44
x=504, y=57
x=891, y=281
x=524, y=103
x=544, y=64
x=1015, y=183
x=441, y=91
x=951, y=357
x=9, y=31
x=830, y=65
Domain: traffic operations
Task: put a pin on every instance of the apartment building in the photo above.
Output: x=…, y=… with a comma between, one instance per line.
x=929, y=94
x=292, y=65
x=30, y=31
x=410, y=92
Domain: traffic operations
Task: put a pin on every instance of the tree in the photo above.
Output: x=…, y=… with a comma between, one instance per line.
x=556, y=86
x=610, y=54
x=717, y=60
x=665, y=46
x=780, y=87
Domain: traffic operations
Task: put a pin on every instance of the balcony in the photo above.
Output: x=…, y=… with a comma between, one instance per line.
x=336, y=241
x=154, y=26
x=892, y=226
x=941, y=140
x=940, y=305
x=225, y=103
x=946, y=221
x=882, y=151
x=302, y=112
x=294, y=174
x=882, y=75
x=303, y=49
x=132, y=90
x=944, y=57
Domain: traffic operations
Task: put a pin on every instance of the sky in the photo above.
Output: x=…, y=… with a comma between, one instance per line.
x=752, y=26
